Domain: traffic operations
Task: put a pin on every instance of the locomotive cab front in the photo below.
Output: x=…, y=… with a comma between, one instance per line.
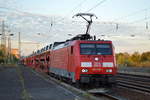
x=97, y=61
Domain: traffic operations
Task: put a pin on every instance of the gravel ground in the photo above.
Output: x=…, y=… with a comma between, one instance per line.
x=130, y=94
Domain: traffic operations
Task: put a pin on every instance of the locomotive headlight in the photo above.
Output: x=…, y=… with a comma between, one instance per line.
x=109, y=70
x=107, y=64
x=96, y=59
x=84, y=70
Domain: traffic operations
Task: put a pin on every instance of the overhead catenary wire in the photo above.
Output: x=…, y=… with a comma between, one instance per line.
x=27, y=13
x=139, y=20
x=132, y=14
x=23, y=12
x=72, y=10
x=112, y=30
x=82, y=2
x=94, y=8
x=136, y=21
x=33, y=14
x=77, y=6
x=101, y=2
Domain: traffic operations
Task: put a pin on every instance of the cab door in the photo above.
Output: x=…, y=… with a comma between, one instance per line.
x=70, y=59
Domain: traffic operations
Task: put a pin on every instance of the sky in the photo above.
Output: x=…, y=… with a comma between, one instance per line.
x=42, y=22
x=109, y=10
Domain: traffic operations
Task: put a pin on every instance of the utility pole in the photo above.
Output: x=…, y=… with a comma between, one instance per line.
x=3, y=41
x=9, y=47
x=19, y=44
x=3, y=38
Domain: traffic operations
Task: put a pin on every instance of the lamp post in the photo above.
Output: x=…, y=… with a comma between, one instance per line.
x=9, y=47
x=19, y=44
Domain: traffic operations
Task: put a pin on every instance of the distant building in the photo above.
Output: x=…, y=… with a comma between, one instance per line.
x=15, y=52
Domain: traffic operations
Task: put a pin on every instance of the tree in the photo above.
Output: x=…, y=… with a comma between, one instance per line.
x=136, y=57
x=2, y=56
x=135, y=60
x=7, y=59
x=123, y=59
x=145, y=57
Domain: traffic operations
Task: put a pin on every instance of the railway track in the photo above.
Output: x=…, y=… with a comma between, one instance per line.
x=107, y=96
x=103, y=92
x=136, y=82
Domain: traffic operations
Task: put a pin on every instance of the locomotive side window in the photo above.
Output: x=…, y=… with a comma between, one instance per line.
x=95, y=49
x=71, y=49
x=47, y=58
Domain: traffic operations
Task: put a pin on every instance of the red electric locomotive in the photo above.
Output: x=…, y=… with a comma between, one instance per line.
x=82, y=59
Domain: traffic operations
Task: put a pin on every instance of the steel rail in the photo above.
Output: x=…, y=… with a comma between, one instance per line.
x=136, y=82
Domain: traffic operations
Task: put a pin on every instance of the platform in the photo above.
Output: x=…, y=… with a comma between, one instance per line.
x=21, y=83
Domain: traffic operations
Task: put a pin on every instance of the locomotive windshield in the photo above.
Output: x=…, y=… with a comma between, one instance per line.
x=95, y=49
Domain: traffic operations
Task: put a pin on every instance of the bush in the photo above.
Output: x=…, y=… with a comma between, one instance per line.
x=136, y=59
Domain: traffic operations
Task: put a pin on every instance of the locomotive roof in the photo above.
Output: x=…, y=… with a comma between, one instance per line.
x=58, y=45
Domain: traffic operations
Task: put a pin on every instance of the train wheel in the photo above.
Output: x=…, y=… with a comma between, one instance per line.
x=78, y=84
x=60, y=78
x=47, y=71
x=70, y=82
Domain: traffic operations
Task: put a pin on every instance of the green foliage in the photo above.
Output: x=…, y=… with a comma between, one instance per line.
x=123, y=59
x=136, y=59
x=145, y=56
x=5, y=59
x=2, y=56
